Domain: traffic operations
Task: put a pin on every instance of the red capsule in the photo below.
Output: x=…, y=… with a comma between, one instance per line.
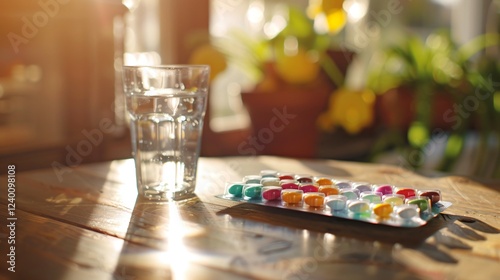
x=434, y=196
x=286, y=176
x=407, y=192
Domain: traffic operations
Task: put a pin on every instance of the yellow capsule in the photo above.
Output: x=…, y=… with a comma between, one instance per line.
x=394, y=200
x=382, y=210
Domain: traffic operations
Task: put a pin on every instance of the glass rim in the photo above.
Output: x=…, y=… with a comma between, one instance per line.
x=168, y=66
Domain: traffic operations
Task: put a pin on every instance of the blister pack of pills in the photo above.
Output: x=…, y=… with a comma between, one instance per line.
x=373, y=203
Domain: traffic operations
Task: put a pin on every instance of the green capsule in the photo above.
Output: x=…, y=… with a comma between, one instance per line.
x=422, y=203
x=235, y=189
x=252, y=191
x=358, y=206
x=252, y=179
x=371, y=198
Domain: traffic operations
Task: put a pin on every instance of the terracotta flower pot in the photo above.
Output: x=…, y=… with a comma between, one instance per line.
x=284, y=122
x=396, y=108
x=284, y=116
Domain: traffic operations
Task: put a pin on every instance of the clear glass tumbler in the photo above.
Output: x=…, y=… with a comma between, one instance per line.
x=166, y=105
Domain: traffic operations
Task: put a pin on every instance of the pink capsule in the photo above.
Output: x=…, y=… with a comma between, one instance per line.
x=271, y=193
x=384, y=189
x=308, y=188
x=289, y=184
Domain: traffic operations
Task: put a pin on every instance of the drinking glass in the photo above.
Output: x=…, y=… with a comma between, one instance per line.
x=166, y=105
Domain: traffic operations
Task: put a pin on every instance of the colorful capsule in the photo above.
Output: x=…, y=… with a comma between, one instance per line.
x=289, y=184
x=358, y=206
x=349, y=193
x=394, y=199
x=336, y=202
x=324, y=182
x=407, y=192
x=291, y=196
x=371, y=197
x=252, y=191
x=270, y=181
x=286, y=176
x=362, y=187
x=252, y=179
x=422, y=203
x=269, y=174
x=382, y=210
x=384, y=189
x=314, y=199
x=234, y=189
x=343, y=184
x=406, y=211
x=433, y=195
x=271, y=193
x=328, y=190
x=304, y=178
x=308, y=187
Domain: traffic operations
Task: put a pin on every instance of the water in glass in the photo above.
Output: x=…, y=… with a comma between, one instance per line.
x=166, y=126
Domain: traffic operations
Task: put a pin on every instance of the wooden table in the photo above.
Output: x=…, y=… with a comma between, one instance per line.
x=86, y=223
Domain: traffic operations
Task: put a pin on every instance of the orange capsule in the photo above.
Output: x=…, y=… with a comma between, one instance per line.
x=291, y=196
x=324, y=182
x=316, y=199
x=328, y=190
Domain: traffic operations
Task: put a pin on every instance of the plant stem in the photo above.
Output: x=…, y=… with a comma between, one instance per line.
x=331, y=69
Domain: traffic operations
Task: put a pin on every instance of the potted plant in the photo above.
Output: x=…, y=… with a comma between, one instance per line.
x=295, y=72
x=423, y=87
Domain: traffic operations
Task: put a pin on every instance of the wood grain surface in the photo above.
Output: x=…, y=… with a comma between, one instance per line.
x=87, y=223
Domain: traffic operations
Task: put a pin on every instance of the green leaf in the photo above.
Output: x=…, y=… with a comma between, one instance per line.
x=298, y=24
x=454, y=145
x=418, y=134
x=477, y=44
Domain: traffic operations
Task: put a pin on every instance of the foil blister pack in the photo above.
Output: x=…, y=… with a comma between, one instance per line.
x=398, y=206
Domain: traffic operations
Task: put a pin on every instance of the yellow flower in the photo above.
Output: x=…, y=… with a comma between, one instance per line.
x=331, y=5
x=332, y=10
x=352, y=110
x=314, y=8
x=336, y=20
x=207, y=54
x=299, y=68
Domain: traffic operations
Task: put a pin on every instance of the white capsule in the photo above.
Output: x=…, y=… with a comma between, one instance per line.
x=407, y=211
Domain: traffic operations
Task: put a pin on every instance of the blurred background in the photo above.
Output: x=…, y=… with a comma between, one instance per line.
x=410, y=83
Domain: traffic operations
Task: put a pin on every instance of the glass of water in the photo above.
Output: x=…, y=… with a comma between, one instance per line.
x=166, y=105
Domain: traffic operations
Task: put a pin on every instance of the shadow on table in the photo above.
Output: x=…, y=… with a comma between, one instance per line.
x=445, y=228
